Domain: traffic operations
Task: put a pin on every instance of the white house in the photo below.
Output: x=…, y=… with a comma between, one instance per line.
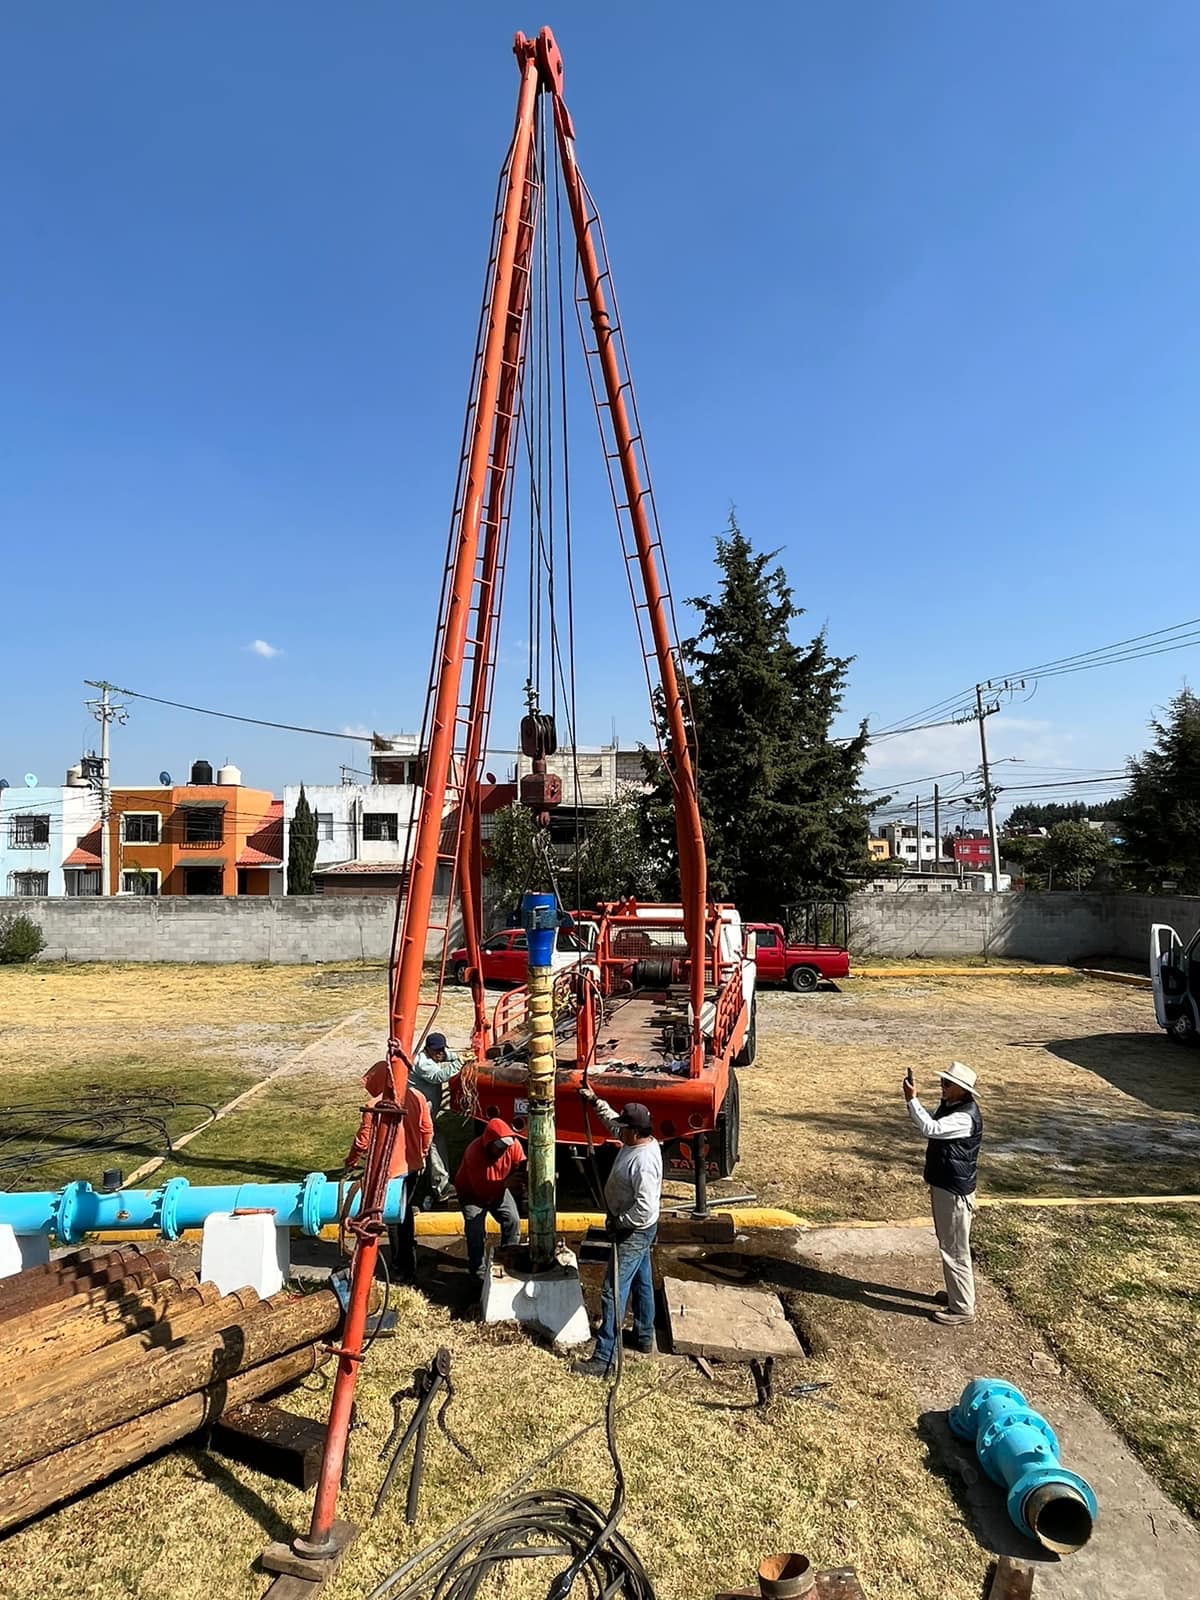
x=40, y=827
x=362, y=828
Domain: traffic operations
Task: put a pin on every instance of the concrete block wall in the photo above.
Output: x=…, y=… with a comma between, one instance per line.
x=216, y=929
x=1058, y=928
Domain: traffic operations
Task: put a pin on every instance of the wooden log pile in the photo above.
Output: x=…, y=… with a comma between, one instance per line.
x=108, y=1357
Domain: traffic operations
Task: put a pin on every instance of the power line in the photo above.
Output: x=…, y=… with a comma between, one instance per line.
x=257, y=722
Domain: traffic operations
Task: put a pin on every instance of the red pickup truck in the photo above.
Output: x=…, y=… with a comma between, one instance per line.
x=800, y=966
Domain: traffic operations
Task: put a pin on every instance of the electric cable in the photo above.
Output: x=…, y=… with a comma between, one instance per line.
x=37, y=1135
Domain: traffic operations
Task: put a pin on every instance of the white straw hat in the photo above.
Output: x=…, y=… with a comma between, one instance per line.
x=962, y=1076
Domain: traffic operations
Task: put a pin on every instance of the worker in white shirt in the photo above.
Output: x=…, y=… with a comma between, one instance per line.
x=632, y=1200
x=955, y=1133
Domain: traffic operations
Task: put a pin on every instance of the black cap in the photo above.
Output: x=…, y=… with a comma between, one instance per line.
x=636, y=1116
x=436, y=1041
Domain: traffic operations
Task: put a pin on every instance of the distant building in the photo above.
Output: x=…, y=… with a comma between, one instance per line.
x=901, y=840
x=879, y=850
x=973, y=851
x=40, y=829
x=593, y=776
x=211, y=836
x=363, y=828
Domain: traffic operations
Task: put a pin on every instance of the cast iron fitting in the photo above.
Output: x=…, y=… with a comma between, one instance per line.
x=1017, y=1448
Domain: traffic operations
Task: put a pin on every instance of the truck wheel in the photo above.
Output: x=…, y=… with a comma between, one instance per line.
x=745, y=1056
x=729, y=1130
x=460, y=972
x=803, y=979
x=1183, y=1029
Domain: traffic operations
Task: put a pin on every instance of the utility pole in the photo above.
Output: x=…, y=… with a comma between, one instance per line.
x=106, y=712
x=920, y=863
x=989, y=797
x=937, y=828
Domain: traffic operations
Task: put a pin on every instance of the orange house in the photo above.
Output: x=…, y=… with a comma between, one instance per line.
x=195, y=838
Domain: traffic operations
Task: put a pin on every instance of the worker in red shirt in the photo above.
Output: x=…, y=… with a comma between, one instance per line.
x=492, y=1168
x=416, y=1136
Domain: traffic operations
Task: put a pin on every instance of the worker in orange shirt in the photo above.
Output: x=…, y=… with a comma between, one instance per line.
x=416, y=1136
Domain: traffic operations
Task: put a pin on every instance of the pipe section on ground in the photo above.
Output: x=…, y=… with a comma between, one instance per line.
x=72, y=1212
x=1018, y=1450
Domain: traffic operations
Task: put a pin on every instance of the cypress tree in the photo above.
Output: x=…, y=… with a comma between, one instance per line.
x=302, y=847
x=1160, y=816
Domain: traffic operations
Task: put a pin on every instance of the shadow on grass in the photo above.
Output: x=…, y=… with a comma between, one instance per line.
x=1147, y=1067
x=759, y=1270
x=214, y=1471
x=981, y=1500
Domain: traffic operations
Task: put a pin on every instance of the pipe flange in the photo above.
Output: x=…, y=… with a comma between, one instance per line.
x=166, y=1206
x=1039, y=1478
x=67, y=1210
x=311, y=1191
x=964, y=1419
x=1025, y=1417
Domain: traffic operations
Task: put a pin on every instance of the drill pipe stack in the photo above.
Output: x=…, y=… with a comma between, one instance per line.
x=106, y=1358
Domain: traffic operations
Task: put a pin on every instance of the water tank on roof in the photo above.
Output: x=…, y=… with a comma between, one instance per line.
x=229, y=774
x=202, y=772
x=75, y=778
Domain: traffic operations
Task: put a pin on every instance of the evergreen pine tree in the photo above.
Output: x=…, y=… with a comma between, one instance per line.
x=302, y=847
x=784, y=815
x=1161, y=814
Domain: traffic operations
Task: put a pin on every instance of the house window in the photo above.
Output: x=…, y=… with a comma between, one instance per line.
x=82, y=881
x=324, y=822
x=142, y=827
x=140, y=882
x=947, y=888
x=202, y=824
x=381, y=827
x=29, y=833
x=30, y=885
x=922, y=888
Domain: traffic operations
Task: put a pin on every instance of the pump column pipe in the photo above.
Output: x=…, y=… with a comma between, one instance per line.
x=539, y=912
x=74, y=1211
x=1017, y=1449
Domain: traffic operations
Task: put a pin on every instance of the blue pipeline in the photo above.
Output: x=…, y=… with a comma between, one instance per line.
x=1017, y=1449
x=77, y=1209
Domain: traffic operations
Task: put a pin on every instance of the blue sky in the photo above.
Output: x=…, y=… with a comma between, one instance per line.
x=913, y=285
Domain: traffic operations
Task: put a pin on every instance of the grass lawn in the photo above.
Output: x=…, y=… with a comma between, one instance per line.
x=1081, y=1095
x=1117, y=1293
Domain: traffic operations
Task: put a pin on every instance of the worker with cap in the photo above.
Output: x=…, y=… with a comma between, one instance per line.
x=633, y=1200
x=416, y=1137
x=433, y=1067
x=491, y=1170
x=955, y=1133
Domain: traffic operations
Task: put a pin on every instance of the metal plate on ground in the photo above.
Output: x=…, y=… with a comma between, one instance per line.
x=727, y=1323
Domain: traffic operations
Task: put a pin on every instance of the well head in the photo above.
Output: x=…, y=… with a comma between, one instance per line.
x=786, y=1576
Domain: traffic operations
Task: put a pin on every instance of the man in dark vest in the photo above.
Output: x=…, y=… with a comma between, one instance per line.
x=955, y=1133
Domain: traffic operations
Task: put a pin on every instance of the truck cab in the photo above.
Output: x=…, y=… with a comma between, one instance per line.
x=801, y=966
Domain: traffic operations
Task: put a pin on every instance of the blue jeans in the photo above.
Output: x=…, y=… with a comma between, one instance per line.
x=475, y=1226
x=637, y=1278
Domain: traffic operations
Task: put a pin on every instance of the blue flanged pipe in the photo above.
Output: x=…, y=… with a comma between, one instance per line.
x=1017, y=1449
x=76, y=1209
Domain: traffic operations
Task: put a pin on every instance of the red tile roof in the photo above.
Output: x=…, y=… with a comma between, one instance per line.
x=394, y=869
x=87, y=852
x=264, y=847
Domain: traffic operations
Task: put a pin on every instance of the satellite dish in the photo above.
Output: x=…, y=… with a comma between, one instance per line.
x=3, y=784
x=31, y=780
x=164, y=778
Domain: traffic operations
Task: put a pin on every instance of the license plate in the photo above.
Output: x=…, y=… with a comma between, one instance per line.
x=520, y=1106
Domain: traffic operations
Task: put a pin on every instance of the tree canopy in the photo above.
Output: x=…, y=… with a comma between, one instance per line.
x=1160, y=818
x=1047, y=813
x=785, y=818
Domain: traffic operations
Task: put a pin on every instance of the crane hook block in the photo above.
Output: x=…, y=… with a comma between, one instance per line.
x=539, y=737
x=541, y=791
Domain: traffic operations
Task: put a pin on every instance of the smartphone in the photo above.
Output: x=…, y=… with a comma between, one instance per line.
x=908, y=1077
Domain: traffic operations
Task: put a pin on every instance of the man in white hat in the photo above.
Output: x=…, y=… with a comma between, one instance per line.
x=955, y=1133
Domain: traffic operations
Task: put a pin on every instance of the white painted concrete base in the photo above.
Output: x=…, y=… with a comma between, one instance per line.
x=245, y=1252
x=21, y=1250
x=551, y=1302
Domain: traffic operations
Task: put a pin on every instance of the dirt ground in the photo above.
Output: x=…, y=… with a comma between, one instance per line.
x=1081, y=1095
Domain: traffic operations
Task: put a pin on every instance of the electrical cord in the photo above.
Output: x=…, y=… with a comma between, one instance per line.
x=48, y=1134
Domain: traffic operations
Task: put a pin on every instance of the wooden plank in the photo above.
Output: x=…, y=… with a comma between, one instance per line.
x=1012, y=1580
x=727, y=1323
x=274, y=1441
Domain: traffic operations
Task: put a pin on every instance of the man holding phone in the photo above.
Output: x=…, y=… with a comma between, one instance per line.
x=955, y=1133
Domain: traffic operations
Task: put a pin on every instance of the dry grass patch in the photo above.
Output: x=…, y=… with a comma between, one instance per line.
x=1117, y=1293
x=1081, y=1092
x=710, y=1488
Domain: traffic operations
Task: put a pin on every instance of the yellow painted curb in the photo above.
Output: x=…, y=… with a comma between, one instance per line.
x=1132, y=980
x=933, y=971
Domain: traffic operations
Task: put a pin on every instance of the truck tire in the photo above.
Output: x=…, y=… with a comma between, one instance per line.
x=1182, y=1029
x=728, y=1135
x=745, y=1056
x=803, y=979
